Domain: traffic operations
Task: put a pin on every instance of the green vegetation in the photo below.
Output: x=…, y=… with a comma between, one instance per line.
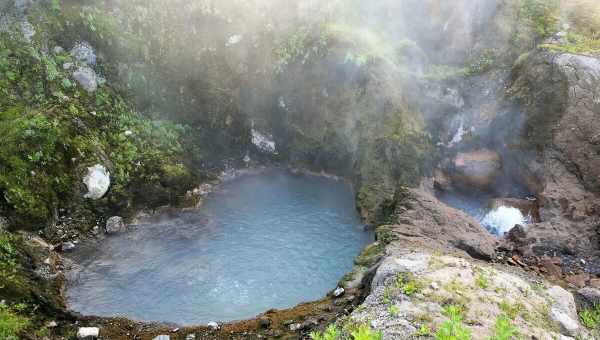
x=482, y=281
x=590, y=318
x=504, y=329
x=351, y=332
x=394, y=310
x=53, y=130
x=8, y=262
x=542, y=16
x=453, y=328
x=331, y=333
x=408, y=284
x=576, y=44
x=511, y=310
x=11, y=324
x=423, y=331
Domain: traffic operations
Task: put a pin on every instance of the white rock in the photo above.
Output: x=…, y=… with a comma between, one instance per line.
x=190, y=337
x=87, y=78
x=115, y=225
x=67, y=246
x=52, y=324
x=339, y=291
x=162, y=337
x=568, y=326
x=213, y=325
x=88, y=332
x=84, y=52
x=68, y=66
x=97, y=181
x=128, y=133
x=564, y=310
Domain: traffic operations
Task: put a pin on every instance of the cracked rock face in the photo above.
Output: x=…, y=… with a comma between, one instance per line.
x=97, y=181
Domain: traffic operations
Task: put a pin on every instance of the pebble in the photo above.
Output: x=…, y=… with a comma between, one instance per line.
x=339, y=291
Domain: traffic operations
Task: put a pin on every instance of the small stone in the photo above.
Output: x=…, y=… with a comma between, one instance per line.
x=295, y=327
x=84, y=52
x=175, y=330
x=58, y=50
x=162, y=337
x=52, y=324
x=128, y=133
x=435, y=286
x=190, y=337
x=67, y=246
x=213, y=325
x=88, y=332
x=588, y=297
x=115, y=225
x=339, y=291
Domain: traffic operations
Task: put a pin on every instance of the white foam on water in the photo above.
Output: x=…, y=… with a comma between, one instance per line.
x=503, y=219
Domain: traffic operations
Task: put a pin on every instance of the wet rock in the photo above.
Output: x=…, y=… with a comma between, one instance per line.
x=115, y=225
x=84, y=52
x=213, y=325
x=86, y=78
x=162, y=337
x=339, y=291
x=88, y=332
x=97, y=181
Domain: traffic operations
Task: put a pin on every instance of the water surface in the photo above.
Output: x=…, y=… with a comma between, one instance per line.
x=263, y=241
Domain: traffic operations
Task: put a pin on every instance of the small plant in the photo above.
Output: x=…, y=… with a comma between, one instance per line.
x=394, y=310
x=590, y=318
x=364, y=332
x=482, y=281
x=453, y=328
x=331, y=333
x=504, y=329
x=511, y=310
x=11, y=325
x=423, y=331
x=407, y=284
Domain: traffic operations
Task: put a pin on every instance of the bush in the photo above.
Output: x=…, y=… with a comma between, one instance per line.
x=453, y=328
x=542, y=16
x=504, y=329
x=11, y=325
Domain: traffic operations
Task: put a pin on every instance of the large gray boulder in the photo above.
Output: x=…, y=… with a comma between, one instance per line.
x=86, y=78
x=563, y=311
x=97, y=181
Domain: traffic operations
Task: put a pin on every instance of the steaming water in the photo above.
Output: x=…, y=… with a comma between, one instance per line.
x=498, y=221
x=261, y=241
x=504, y=219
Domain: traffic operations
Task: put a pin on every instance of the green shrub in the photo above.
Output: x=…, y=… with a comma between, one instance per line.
x=542, y=16
x=364, y=332
x=453, y=328
x=590, y=318
x=504, y=329
x=11, y=324
x=331, y=333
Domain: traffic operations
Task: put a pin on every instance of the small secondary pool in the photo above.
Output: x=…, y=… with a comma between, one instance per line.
x=268, y=240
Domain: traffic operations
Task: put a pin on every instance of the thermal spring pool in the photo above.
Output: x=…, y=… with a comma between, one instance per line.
x=259, y=241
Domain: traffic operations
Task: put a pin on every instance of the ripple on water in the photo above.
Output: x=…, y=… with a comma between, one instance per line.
x=263, y=241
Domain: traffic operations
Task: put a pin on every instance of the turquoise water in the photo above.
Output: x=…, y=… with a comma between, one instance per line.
x=271, y=240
